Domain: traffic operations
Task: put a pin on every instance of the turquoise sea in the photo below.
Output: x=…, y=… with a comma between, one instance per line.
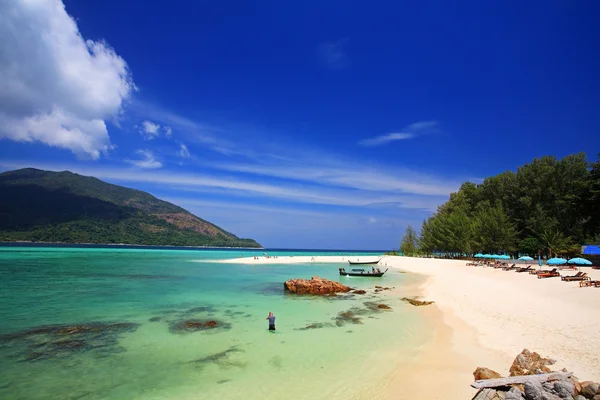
x=105, y=323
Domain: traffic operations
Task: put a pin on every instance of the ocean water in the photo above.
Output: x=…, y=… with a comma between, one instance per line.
x=105, y=323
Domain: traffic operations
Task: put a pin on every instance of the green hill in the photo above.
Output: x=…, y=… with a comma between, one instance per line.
x=45, y=206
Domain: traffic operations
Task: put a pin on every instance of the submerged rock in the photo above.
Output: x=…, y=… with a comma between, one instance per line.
x=359, y=291
x=315, y=285
x=315, y=325
x=416, y=302
x=51, y=341
x=223, y=359
x=154, y=319
x=191, y=325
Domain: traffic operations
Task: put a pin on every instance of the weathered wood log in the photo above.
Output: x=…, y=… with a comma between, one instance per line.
x=515, y=380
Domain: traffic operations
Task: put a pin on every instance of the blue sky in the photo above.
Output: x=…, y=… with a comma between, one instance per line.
x=312, y=125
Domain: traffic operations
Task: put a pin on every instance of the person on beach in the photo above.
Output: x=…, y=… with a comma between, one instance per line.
x=271, y=319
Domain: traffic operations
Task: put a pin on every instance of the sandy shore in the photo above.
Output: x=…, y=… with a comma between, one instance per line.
x=486, y=316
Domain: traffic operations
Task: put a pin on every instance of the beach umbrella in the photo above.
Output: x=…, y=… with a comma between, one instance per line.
x=579, y=261
x=495, y=256
x=556, y=261
x=478, y=255
x=525, y=258
x=505, y=257
x=487, y=256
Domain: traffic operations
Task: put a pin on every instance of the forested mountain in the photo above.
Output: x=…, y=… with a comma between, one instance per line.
x=550, y=205
x=46, y=206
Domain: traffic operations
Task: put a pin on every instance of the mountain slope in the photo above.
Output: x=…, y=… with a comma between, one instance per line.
x=47, y=206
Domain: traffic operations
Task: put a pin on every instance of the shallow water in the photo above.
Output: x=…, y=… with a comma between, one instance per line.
x=126, y=304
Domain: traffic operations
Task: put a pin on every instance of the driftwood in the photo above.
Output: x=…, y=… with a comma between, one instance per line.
x=515, y=380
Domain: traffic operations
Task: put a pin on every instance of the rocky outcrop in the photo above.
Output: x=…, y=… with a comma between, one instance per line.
x=315, y=285
x=528, y=363
x=485, y=373
x=416, y=302
x=551, y=387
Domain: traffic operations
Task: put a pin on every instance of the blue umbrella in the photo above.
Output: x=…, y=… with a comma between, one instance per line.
x=487, y=256
x=525, y=258
x=505, y=257
x=478, y=255
x=495, y=256
x=579, y=261
x=556, y=261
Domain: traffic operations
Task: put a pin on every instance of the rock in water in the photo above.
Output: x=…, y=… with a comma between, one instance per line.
x=315, y=285
x=416, y=302
x=528, y=363
x=360, y=291
x=485, y=373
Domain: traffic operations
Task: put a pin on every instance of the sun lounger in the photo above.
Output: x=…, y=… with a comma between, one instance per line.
x=589, y=283
x=567, y=277
x=582, y=277
x=509, y=268
x=549, y=274
x=528, y=269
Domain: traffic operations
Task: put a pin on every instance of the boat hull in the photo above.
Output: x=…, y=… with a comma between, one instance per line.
x=367, y=274
x=363, y=262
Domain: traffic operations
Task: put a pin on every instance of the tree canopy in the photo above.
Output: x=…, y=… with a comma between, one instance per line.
x=550, y=206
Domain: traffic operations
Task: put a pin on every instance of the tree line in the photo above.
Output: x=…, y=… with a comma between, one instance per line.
x=550, y=206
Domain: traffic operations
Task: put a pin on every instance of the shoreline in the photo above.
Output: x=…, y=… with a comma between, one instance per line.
x=484, y=317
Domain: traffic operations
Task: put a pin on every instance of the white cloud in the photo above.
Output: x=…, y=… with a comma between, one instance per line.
x=410, y=132
x=390, y=137
x=146, y=160
x=183, y=151
x=333, y=54
x=168, y=131
x=56, y=87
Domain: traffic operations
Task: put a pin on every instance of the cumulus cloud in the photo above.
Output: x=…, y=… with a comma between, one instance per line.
x=409, y=132
x=183, y=151
x=146, y=160
x=56, y=87
x=151, y=130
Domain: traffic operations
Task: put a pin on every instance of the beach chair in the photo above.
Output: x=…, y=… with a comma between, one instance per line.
x=589, y=283
x=549, y=274
x=567, y=277
x=507, y=268
x=528, y=269
x=582, y=277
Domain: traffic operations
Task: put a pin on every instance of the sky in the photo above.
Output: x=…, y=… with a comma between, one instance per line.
x=329, y=125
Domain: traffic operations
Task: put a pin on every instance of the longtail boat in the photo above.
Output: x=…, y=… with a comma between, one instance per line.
x=361, y=272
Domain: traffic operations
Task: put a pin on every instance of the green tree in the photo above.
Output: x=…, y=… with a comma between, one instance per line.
x=410, y=242
x=530, y=246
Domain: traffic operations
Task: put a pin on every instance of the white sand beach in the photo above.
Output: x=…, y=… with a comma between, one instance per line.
x=486, y=316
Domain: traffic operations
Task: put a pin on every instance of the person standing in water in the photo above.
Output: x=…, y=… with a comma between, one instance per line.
x=271, y=319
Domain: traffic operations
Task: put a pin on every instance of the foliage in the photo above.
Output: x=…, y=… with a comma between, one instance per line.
x=521, y=211
x=410, y=242
x=44, y=206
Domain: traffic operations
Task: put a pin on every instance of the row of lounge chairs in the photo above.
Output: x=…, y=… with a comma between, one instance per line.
x=581, y=277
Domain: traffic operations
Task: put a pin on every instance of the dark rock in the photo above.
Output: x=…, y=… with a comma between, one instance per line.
x=589, y=389
x=203, y=309
x=534, y=391
x=359, y=291
x=188, y=326
x=564, y=389
x=528, y=363
x=315, y=325
x=384, y=307
x=222, y=381
x=580, y=397
x=222, y=359
x=514, y=394
x=416, y=302
x=378, y=287
x=485, y=373
x=347, y=317
x=155, y=319
x=315, y=285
